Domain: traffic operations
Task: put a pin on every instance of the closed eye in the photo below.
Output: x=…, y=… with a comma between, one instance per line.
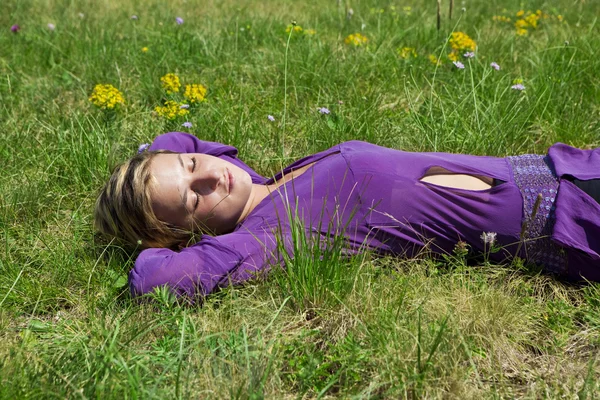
x=196, y=201
x=194, y=163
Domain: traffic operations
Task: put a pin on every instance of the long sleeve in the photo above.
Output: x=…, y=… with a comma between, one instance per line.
x=181, y=142
x=195, y=270
x=211, y=263
x=577, y=214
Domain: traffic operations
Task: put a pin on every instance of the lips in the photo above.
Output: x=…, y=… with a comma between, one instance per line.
x=230, y=181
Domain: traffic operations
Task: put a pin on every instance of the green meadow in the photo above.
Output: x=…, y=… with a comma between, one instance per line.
x=327, y=326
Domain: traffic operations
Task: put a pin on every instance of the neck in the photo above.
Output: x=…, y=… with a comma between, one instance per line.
x=258, y=194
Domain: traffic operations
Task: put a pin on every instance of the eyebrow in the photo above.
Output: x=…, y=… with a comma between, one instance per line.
x=185, y=194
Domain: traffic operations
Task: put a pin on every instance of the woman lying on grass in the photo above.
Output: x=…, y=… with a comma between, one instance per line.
x=207, y=220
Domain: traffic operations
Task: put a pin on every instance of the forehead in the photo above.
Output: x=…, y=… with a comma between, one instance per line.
x=164, y=187
x=163, y=171
x=163, y=160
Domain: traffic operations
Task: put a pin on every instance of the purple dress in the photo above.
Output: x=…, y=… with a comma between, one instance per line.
x=374, y=196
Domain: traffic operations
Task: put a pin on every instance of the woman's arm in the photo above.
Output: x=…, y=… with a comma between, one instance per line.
x=200, y=269
x=180, y=142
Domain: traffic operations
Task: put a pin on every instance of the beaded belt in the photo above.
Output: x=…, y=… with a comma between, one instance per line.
x=538, y=186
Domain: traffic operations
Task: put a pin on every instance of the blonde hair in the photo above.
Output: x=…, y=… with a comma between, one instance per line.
x=124, y=208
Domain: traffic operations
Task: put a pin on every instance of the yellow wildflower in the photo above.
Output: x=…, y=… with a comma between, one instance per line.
x=356, y=39
x=453, y=56
x=296, y=28
x=144, y=49
x=407, y=52
x=460, y=41
x=171, y=110
x=520, y=13
x=560, y=18
x=434, y=60
x=310, y=32
x=500, y=18
x=106, y=97
x=195, y=93
x=532, y=20
x=170, y=82
x=521, y=24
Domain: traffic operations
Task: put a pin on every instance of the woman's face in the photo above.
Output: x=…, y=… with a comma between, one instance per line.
x=199, y=192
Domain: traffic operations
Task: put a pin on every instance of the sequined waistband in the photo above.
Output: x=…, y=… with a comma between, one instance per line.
x=538, y=186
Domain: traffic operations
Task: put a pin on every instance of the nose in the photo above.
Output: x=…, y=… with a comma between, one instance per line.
x=205, y=181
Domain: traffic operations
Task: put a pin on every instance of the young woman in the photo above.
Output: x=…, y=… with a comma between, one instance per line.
x=207, y=220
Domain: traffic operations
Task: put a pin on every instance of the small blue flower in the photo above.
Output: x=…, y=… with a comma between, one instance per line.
x=143, y=147
x=184, y=106
x=518, y=86
x=469, y=54
x=495, y=66
x=179, y=20
x=459, y=65
x=187, y=124
x=324, y=110
x=271, y=118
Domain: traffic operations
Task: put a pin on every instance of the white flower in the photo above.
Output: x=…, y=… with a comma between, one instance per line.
x=488, y=237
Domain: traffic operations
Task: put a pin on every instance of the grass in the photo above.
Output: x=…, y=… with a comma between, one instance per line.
x=332, y=327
